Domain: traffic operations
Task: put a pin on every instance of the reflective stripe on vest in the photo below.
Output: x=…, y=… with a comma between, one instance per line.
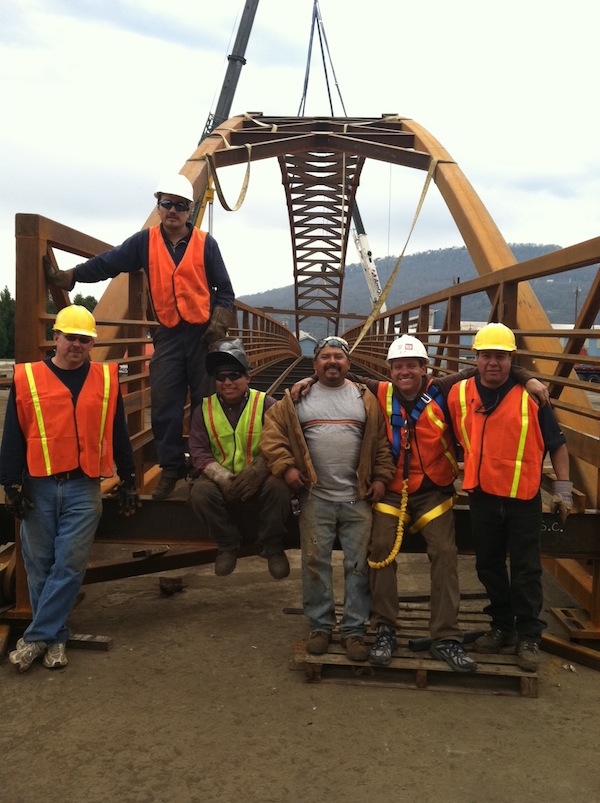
x=234, y=448
x=179, y=292
x=38, y=415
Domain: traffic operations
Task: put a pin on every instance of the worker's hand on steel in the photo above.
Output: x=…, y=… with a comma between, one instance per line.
x=294, y=479
x=249, y=481
x=63, y=279
x=376, y=491
x=16, y=501
x=301, y=388
x=562, y=498
x=538, y=390
x=128, y=499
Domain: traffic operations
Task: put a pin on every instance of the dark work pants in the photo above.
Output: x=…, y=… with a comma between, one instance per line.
x=274, y=514
x=176, y=366
x=442, y=554
x=501, y=527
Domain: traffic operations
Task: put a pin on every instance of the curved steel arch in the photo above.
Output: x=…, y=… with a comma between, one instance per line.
x=321, y=159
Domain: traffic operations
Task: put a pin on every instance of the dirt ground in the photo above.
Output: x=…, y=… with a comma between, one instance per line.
x=196, y=701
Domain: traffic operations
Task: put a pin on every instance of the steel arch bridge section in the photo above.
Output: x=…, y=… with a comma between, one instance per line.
x=321, y=159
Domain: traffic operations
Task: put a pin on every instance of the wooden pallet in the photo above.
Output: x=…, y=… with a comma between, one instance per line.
x=496, y=674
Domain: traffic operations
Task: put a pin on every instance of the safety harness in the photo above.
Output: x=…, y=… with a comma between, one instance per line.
x=399, y=423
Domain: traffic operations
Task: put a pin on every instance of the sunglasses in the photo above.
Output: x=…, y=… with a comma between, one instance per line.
x=179, y=205
x=83, y=339
x=334, y=342
x=233, y=376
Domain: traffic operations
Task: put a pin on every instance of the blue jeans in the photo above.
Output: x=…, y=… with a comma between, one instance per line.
x=56, y=536
x=320, y=521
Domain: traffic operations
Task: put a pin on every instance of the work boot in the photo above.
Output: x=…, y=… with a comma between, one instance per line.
x=166, y=486
x=383, y=646
x=225, y=563
x=317, y=642
x=356, y=649
x=497, y=641
x=55, y=657
x=279, y=566
x=454, y=654
x=528, y=655
x=25, y=653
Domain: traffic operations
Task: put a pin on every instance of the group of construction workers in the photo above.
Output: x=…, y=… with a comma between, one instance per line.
x=364, y=461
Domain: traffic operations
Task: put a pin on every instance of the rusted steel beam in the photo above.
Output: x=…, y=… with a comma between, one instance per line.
x=398, y=139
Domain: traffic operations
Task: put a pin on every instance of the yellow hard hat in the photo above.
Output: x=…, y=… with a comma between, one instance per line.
x=75, y=320
x=494, y=337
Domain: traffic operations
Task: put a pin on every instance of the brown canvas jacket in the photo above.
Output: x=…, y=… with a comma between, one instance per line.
x=283, y=445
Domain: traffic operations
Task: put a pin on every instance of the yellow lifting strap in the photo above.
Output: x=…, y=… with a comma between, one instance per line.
x=213, y=174
x=388, y=286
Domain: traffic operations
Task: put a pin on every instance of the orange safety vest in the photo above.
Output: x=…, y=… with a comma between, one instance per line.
x=432, y=451
x=61, y=437
x=179, y=292
x=234, y=448
x=504, y=450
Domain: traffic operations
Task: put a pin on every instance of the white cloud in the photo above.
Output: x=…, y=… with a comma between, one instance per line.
x=101, y=99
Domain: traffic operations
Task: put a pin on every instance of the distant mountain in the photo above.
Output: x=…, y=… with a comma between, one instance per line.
x=429, y=271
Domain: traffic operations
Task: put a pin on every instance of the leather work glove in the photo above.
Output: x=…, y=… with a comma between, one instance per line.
x=220, y=475
x=562, y=498
x=220, y=321
x=63, y=279
x=127, y=499
x=16, y=501
x=249, y=481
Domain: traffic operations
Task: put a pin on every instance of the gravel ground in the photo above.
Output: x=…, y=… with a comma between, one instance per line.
x=196, y=701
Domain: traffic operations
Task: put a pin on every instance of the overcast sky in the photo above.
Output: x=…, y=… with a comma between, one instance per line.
x=100, y=99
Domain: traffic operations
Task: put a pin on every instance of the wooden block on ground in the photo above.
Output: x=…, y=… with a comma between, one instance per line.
x=4, y=636
x=89, y=642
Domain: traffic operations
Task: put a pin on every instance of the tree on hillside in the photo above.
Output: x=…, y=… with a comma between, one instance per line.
x=7, y=324
x=89, y=302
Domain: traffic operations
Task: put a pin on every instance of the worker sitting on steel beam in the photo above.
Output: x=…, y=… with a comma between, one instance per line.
x=422, y=492
x=505, y=437
x=64, y=423
x=223, y=443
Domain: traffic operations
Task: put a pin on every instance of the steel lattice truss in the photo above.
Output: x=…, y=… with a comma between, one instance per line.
x=320, y=190
x=321, y=160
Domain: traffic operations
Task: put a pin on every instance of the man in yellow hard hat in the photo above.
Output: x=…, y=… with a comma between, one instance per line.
x=64, y=430
x=505, y=437
x=192, y=298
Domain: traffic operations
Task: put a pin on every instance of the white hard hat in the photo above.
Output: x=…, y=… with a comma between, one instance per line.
x=176, y=185
x=407, y=346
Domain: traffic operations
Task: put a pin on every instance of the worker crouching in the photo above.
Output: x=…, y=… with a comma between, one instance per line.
x=224, y=448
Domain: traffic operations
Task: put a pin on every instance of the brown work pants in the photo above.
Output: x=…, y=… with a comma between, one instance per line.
x=442, y=554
